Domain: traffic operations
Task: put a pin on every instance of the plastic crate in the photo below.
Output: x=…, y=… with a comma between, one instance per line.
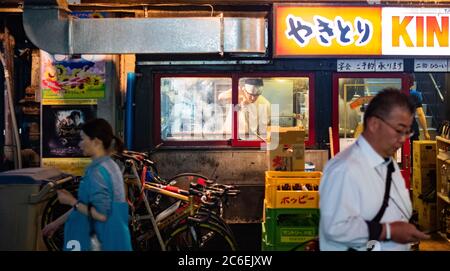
x=290, y=226
x=277, y=198
x=290, y=247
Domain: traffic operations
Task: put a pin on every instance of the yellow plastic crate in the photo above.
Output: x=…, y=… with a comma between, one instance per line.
x=293, y=174
x=275, y=198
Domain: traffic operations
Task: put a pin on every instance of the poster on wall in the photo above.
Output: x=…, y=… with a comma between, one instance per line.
x=73, y=77
x=74, y=166
x=61, y=126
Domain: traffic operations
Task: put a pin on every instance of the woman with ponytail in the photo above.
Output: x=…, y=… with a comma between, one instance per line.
x=99, y=217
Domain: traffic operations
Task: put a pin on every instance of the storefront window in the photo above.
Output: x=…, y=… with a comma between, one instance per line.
x=269, y=101
x=354, y=96
x=190, y=108
x=203, y=108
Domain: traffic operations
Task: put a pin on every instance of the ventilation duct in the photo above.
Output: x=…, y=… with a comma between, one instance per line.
x=49, y=25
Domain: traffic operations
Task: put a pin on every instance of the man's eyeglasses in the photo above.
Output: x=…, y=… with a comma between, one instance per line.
x=407, y=134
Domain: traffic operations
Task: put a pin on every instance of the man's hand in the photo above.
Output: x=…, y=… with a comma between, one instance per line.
x=404, y=232
x=426, y=135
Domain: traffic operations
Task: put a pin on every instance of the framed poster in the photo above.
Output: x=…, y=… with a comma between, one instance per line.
x=61, y=127
x=73, y=77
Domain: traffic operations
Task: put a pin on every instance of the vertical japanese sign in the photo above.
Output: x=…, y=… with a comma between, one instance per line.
x=415, y=31
x=322, y=30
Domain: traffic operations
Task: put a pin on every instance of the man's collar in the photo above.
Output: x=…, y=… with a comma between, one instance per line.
x=373, y=157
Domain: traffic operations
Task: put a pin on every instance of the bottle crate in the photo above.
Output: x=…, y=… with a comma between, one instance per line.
x=292, y=189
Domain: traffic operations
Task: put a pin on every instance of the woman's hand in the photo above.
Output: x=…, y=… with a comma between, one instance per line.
x=65, y=197
x=50, y=229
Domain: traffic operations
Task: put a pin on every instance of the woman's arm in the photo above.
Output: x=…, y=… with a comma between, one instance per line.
x=65, y=197
x=50, y=228
x=83, y=208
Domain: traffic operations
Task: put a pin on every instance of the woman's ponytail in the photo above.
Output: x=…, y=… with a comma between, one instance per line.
x=119, y=144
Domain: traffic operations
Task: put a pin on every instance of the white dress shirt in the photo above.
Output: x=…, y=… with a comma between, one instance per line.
x=352, y=191
x=253, y=119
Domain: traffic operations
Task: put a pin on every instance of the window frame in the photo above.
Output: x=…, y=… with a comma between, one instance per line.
x=234, y=141
x=335, y=96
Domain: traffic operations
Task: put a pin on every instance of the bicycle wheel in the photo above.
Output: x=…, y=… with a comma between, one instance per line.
x=205, y=236
x=216, y=219
x=51, y=212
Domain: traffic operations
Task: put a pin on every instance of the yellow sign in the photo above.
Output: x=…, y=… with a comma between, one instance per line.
x=70, y=102
x=416, y=31
x=323, y=30
x=74, y=166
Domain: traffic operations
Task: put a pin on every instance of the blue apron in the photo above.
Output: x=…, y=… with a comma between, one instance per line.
x=113, y=234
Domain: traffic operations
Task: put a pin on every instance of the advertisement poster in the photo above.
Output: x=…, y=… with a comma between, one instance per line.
x=74, y=166
x=61, y=126
x=73, y=77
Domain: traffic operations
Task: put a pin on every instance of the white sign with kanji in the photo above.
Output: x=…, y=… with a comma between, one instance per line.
x=355, y=65
x=370, y=65
x=431, y=65
x=389, y=65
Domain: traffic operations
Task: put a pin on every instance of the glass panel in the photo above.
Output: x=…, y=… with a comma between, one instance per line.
x=271, y=101
x=190, y=108
x=354, y=95
x=431, y=91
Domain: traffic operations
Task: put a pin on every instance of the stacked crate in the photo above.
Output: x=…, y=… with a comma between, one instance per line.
x=424, y=183
x=291, y=210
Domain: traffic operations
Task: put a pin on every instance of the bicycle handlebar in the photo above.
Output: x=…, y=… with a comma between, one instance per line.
x=145, y=154
x=35, y=198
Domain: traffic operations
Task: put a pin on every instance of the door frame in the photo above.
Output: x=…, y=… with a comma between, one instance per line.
x=405, y=85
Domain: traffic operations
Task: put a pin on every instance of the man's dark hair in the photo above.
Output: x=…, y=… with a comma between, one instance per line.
x=386, y=100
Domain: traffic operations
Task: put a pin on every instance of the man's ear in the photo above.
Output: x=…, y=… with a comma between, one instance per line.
x=372, y=125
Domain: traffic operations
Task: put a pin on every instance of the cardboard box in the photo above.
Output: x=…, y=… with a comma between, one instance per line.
x=287, y=157
x=424, y=180
x=286, y=135
x=286, y=150
x=427, y=217
x=424, y=154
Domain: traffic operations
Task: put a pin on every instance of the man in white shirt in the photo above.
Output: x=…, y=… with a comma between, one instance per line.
x=354, y=183
x=253, y=110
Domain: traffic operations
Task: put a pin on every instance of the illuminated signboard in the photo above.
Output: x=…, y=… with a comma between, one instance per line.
x=327, y=31
x=415, y=31
x=364, y=31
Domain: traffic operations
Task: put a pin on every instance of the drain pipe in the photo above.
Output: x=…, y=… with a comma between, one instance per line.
x=129, y=110
x=18, y=156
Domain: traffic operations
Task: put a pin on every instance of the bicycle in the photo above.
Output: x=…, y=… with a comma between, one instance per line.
x=191, y=221
x=201, y=223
